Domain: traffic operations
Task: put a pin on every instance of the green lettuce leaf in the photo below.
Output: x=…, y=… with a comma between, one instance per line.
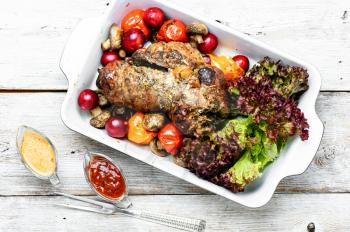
x=260, y=152
x=242, y=127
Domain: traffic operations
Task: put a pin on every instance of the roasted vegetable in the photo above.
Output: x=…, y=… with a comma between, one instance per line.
x=231, y=70
x=115, y=36
x=172, y=30
x=209, y=44
x=96, y=111
x=134, y=19
x=289, y=81
x=197, y=28
x=137, y=133
x=106, y=45
x=171, y=138
x=102, y=100
x=157, y=148
x=100, y=120
x=122, y=112
x=197, y=39
x=153, y=122
x=116, y=127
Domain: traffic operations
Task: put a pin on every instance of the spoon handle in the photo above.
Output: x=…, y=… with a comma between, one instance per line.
x=187, y=224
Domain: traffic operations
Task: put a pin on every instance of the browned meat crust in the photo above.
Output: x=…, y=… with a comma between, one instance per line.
x=168, y=55
x=146, y=89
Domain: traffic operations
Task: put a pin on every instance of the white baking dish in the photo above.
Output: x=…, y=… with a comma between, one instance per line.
x=81, y=58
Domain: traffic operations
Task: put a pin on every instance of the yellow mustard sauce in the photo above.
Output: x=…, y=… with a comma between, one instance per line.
x=38, y=154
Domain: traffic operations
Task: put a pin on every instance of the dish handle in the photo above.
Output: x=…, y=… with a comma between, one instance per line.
x=78, y=46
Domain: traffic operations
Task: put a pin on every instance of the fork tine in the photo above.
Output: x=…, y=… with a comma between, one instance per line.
x=95, y=210
x=83, y=199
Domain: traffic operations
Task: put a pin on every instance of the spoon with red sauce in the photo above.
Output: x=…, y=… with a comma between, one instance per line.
x=106, y=178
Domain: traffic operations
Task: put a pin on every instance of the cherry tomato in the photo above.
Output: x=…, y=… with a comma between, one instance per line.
x=88, y=99
x=132, y=40
x=108, y=57
x=172, y=30
x=134, y=19
x=242, y=61
x=210, y=42
x=137, y=133
x=117, y=127
x=154, y=17
x=171, y=138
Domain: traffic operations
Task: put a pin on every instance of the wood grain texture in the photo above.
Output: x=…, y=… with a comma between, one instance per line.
x=32, y=36
x=327, y=173
x=285, y=212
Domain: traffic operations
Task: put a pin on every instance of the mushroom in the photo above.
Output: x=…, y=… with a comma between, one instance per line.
x=100, y=120
x=198, y=39
x=121, y=112
x=157, y=148
x=153, y=122
x=102, y=100
x=197, y=28
x=114, y=39
x=96, y=111
x=106, y=45
x=115, y=36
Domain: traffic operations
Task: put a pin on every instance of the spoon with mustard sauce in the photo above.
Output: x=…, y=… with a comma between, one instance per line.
x=38, y=154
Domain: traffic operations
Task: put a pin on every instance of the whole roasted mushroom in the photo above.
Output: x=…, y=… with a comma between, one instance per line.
x=100, y=120
x=197, y=28
x=157, y=148
x=114, y=39
x=154, y=121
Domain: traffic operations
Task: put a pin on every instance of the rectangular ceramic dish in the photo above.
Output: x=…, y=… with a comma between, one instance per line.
x=81, y=58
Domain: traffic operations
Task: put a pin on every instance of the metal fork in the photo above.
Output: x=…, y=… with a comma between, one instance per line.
x=187, y=224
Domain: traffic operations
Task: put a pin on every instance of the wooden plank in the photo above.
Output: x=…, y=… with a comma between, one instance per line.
x=285, y=212
x=327, y=173
x=33, y=35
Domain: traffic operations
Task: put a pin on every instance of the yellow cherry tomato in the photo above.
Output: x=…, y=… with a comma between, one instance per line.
x=231, y=70
x=136, y=132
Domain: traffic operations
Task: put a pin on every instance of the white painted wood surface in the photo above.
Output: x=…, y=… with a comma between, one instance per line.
x=285, y=212
x=32, y=36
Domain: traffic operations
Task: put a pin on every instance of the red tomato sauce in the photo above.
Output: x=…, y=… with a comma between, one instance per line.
x=106, y=178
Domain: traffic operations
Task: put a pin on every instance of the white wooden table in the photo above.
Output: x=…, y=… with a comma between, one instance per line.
x=32, y=88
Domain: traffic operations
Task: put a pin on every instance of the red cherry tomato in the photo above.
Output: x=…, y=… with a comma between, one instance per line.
x=117, y=127
x=171, y=138
x=88, y=99
x=132, y=40
x=242, y=62
x=172, y=30
x=210, y=42
x=154, y=17
x=134, y=19
x=108, y=57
